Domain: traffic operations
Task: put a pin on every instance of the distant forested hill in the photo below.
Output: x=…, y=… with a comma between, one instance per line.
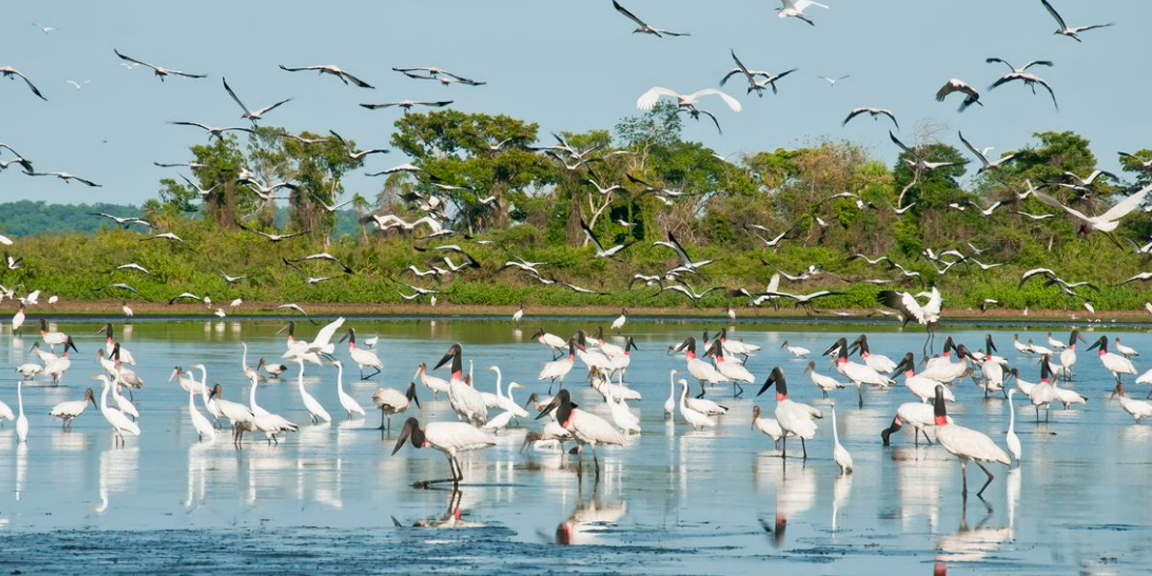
x=27, y=218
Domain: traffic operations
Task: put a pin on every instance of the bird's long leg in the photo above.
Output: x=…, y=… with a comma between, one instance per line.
x=804, y=448
x=1037, y=407
x=987, y=482
x=964, y=479
x=860, y=394
x=784, y=447
x=595, y=461
x=372, y=374
x=737, y=389
x=455, y=479
x=926, y=438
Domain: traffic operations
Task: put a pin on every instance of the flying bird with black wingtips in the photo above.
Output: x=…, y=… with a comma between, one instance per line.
x=248, y=114
x=602, y=252
x=982, y=155
x=344, y=77
x=644, y=28
x=408, y=104
x=1021, y=74
x=1074, y=31
x=971, y=96
x=66, y=177
x=160, y=71
x=874, y=112
x=11, y=73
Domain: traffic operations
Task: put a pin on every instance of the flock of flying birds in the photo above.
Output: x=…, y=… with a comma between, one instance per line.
x=453, y=259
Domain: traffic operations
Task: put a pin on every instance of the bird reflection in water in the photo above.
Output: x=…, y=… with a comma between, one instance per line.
x=452, y=518
x=972, y=544
x=590, y=518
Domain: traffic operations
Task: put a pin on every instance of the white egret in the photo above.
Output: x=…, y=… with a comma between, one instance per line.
x=347, y=402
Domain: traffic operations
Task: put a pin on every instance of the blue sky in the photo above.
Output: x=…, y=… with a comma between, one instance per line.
x=566, y=65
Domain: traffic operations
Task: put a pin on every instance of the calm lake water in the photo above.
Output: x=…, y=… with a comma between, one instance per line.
x=674, y=501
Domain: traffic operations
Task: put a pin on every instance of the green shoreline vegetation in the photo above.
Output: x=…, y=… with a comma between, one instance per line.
x=508, y=201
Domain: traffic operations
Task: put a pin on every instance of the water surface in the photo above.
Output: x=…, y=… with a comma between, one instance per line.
x=673, y=501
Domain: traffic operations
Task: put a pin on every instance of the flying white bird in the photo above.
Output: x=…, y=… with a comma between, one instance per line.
x=644, y=28
x=333, y=70
x=9, y=72
x=971, y=96
x=875, y=112
x=248, y=114
x=1064, y=30
x=158, y=70
x=796, y=8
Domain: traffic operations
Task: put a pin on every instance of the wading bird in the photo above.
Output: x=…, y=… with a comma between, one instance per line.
x=966, y=444
x=795, y=419
x=450, y=438
x=588, y=429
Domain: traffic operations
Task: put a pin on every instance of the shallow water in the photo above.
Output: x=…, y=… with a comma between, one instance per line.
x=674, y=501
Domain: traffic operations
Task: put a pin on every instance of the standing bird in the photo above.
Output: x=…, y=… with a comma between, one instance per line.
x=451, y=438
x=465, y=400
x=697, y=419
x=70, y=409
x=1125, y=351
x=826, y=384
x=767, y=426
x=1064, y=30
x=518, y=315
x=795, y=418
x=1116, y=364
x=390, y=402
x=119, y=422
x=347, y=402
x=315, y=409
x=556, y=370
x=966, y=444
x=839, y=454
x=588, y=429
x=1136, y=408
x=1011, y=439
x=21, y=419
x=971, y=96
x=916, y=414
x=618, y=323
x=363, y=357
x=199, y=421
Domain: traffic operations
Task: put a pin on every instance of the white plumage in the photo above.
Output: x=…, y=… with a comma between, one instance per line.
x=1011, y=439
x=648, y=99
x=450, y=438
x=70, y=409
x=315, y=409
x=347, y=402
x=840, y=454
x=966, y=444
x=795, y=419
x=697, y=419
x=119, y=422
x=200, y=422
x=826, y=384
x=1136, y=408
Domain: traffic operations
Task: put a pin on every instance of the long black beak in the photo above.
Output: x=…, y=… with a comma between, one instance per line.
x=71, y=345
x=412, y=393
x=550, y=407
x=404, y=434
x=447, y=357
x=767, y=384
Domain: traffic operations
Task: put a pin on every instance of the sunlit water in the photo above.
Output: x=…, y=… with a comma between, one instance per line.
x=674, y=501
